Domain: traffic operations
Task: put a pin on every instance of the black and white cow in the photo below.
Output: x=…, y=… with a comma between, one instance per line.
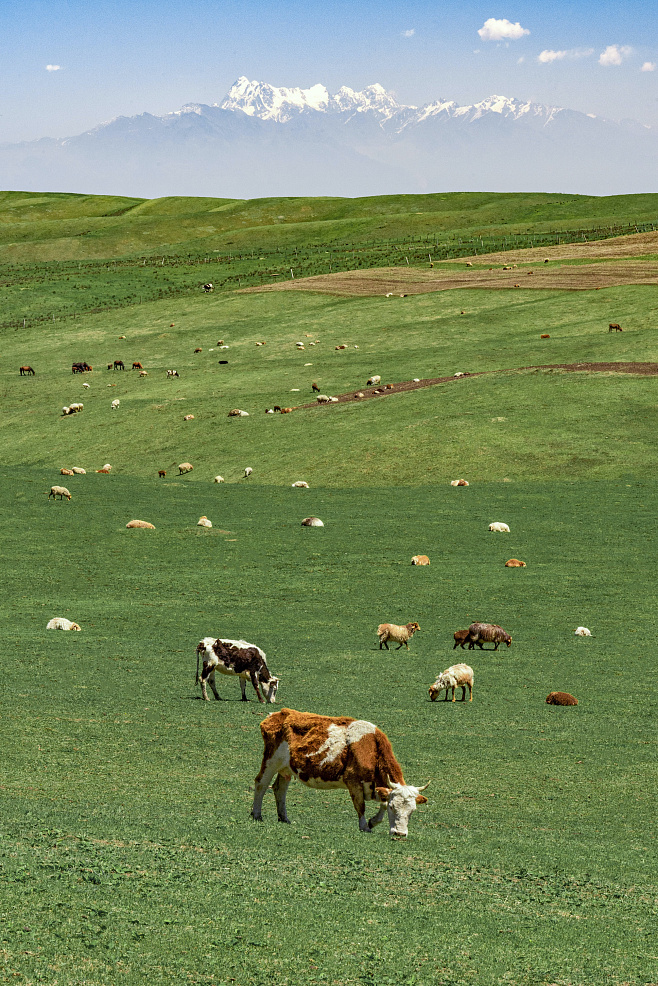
x=235, y=657
x=208, y=287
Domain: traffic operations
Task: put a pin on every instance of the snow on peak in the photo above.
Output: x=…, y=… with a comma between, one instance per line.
x=272, y=102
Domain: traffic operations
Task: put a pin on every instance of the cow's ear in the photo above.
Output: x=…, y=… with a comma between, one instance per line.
x=421, y=799
x=383, y=792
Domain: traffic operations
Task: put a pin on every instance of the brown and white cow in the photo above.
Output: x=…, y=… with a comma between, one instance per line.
x=335, y=752
x=235, y=657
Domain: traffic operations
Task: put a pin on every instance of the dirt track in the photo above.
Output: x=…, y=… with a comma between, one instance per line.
x=621, y=260
x=642, y=369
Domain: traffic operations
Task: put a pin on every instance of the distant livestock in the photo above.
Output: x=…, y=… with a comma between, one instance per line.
x=184, y=467
x=143, y=373
x=119, y=364
x=459, y=675
x=615, y=327
x=461, y=638
x=66, y=472
x=26, y=371
x=172, y=373
x=59, y=491
x=218, y=479
x=561, y=698
x=237, y=413
x=488, y=633
x=235, y=657
x=61, y=623
x=162, y=473
x=188, y=417
x=197, y=350
x=515, y=563
x=248, y=471
x=499, y=528
x=140, y=523
x=459, y=374
x=315, y=388
x=300, y=484
x=396, y=634
x=137, y=366
x=458, y=482
x=115, y=404
x=86, y=386
x=208, y=287
x=420, y=560
x=204, y=522
x=312, y=522
x=545, y=336
x=582, y=632
x=81, y=368
x=107, y=468
x=373, y=381
x=78, y=471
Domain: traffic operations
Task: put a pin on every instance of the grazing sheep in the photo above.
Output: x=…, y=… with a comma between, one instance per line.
x=204, y=522
x=188, y=417
x=323, y=399
x=115, y=404
x=312, y=522
x=198, y=350
x=515, y=563
x=142, y=373
x=582, y=632
x=315, y=388
x=184, y=467
x=468, y=263
x=137, y=366
x=248, y=471
x=61, y=623
x=461, y=637
x=162, y=473
x=499, y=528
x=237, y=413
x=86, y=386
x=59, y=491
x=398, y=634
x=459, y=482
x=141, y=523
x=78, y=471
x=66, y=472
x=459, y=675
x=489, y=633
x=218, y=479
x=373, y=381
x=106, y=468
x=301, y=484
x=561, y=698
x=420, y=560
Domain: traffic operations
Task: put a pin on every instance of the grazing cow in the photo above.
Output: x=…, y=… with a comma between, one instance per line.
x=208, y=287
x=315, y=388
x=27, y=371
x=235, y=657
x=81, y=368
x=172, y=373
x=335, y=752
x=615, y=327
x=119, y=364
x=162, y=473
x=137, y=366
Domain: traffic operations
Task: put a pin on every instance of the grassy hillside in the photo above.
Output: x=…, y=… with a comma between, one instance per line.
x=579, y=424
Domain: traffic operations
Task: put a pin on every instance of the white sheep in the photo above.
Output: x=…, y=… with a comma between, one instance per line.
x=204, y=522
x=86, y=386
x=59, y=491
x=399, y=634
x=218, y=479
x=237, y=413
x=66, y=410
x=460, y=482
x=460, y=374
x=248, y=471
x=184, y=467
x=61, y=623
x=301, y=484
x=323, y=399
x=499, y=528
x=582, y=632
x=143, y=373
x=454, y=677
x=78, y=471
x=74, y=408
x=115, y=404
x=373, y=381
x=312, y=522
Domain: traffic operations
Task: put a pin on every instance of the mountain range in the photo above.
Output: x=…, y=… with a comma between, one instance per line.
x=263, y=140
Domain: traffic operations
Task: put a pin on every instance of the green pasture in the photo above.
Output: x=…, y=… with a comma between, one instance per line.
x=522, y=425
x=127, y=850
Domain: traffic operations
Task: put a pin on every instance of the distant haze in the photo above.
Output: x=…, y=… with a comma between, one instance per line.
x=263, y=140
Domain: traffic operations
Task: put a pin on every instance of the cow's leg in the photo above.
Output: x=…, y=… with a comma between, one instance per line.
x=359, y=802
x=280, y=788
x=243, y=689
x=209, y=679
x=268, y=769
x=254, y=681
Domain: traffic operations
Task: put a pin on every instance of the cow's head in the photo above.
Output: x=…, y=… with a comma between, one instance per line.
x=401, y=800
x=269, y=689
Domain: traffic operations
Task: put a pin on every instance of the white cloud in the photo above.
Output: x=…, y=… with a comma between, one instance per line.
x=499, y=29
x=53, y=68
x=648, y=67
x=520, y=60
x=410, y=33
x=548, y=55
x=614, y=54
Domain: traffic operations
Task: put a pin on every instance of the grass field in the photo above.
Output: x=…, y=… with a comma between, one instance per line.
x=127, y=851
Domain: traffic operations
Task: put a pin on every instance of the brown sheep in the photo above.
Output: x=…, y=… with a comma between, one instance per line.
x=561, y=698
x=420, y=560
x=489, y=633
x=545, y=336
x=461, y=637
x=515, y=563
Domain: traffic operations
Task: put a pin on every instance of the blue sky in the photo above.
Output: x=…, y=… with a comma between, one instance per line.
x=67, y=65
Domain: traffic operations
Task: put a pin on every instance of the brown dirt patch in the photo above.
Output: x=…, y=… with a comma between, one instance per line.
x=641, y=369
x=617, y=261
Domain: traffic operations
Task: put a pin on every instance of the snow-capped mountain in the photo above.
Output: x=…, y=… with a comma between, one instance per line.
x=264, y=140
